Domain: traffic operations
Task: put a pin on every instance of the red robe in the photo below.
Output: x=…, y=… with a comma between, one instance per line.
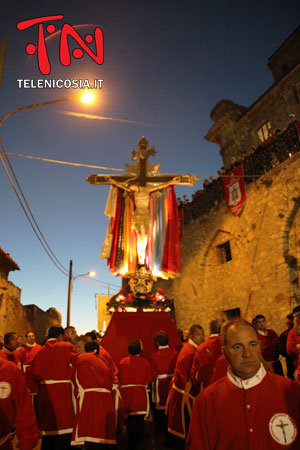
x=27, y=353
x=291, y=346
x=205, y=357
x=262, y=415
x=106, y=357
x=51, y=367
x=270, y=349
x=12, y=356
x=95, y=414
x=182, y=391
x=220, y=369
x=135, y=375
x=163, y=363
x=16, y=408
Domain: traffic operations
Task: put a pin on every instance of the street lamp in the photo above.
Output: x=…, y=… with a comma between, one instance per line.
x=71, y=281
x=84, y=98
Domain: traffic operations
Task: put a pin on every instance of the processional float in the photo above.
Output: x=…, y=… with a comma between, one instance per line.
x=142, y=242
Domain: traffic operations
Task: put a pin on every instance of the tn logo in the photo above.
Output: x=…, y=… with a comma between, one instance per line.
x=64, y=51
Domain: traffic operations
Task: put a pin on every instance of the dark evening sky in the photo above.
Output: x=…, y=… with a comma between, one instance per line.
x=166, y=64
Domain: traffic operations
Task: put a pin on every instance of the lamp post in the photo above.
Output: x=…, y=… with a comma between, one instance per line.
x=85, y=98
x=70, y=287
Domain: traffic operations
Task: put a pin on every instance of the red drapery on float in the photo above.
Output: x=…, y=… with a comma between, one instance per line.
x=120, y=247
x=171, y=258
x=128, y=326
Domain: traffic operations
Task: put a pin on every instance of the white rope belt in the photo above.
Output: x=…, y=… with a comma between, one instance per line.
x=134, y=385
x=146, y=389
x=25, y=367
x=54, y=381
x=155, y=395
x=115, y=387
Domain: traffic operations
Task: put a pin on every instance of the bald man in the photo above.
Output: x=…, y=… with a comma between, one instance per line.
x=249, y=408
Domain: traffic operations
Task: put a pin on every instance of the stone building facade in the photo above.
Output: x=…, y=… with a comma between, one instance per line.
x=237, y=128
x=248, y=264
x=13, y=315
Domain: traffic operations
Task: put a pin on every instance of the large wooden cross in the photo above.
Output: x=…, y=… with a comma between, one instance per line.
x=143, y=178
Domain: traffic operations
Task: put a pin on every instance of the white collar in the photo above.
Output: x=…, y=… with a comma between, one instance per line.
x=192, y=343
x=250, y=382
x=263, y=333
x=30, y=345
x=51, y=339
x=213, y=335
x=162, y=346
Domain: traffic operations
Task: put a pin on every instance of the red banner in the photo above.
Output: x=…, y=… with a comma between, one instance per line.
x=235, y=191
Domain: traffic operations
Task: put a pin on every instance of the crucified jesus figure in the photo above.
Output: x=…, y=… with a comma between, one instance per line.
x=141, y=218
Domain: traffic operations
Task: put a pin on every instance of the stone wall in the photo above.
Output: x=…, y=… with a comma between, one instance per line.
x=16, y=317
x=262, y=276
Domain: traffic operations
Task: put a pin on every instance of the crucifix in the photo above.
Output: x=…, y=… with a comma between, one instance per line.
x=140, y=181
x=3, y=388
x=282, y=426
x=143, y=178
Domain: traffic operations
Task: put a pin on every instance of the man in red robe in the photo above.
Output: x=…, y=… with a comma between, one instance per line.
x=16, y=409
x=293, y=342
x=27, y=353
x=163, y=363
x=94, y=423
x=183, y=392
x=206, y=355
x=135, y=376
x=269, y=343
x=249, y=408
x=51, y=367
x=283, y=348
x=9, y=351
x=104, y=354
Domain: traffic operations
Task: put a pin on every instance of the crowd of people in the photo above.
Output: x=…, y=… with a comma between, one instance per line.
x=229, y=391
x=279, y=146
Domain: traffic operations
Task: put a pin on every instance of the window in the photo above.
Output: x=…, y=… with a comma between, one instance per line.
x=224, y=253
x=263, y=131
x=230, y=313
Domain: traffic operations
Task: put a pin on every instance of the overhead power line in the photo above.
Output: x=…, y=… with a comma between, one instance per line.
x=34, y=225
x=61, y=162
x=32, y=222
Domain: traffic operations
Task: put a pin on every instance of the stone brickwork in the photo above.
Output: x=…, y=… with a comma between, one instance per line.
x=19, y=318
x=13, y=315
x=262, y=276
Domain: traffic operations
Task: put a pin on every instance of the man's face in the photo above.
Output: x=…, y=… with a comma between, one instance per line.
x=30, y=338
x=186, y=334
x=197, y=336
x=260, y=324
x=72, y=333
x=79, y=347
x=243, y=351
x=13, y=343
